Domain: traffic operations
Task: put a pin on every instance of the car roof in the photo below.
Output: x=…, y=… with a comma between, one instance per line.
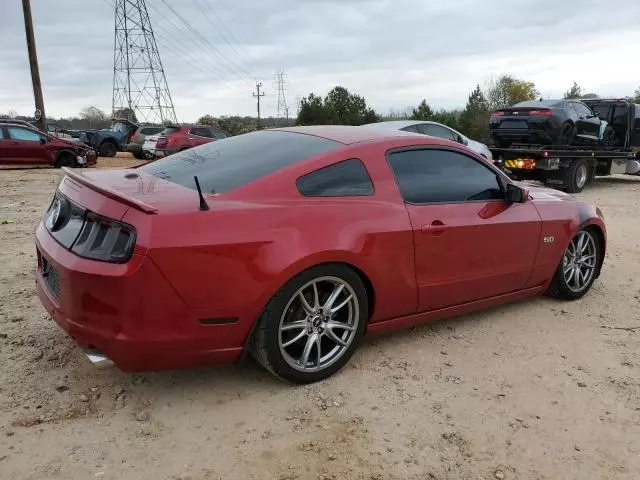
x=347, y=134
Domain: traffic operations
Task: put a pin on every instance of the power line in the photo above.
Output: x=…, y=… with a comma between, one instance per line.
x=220, y=55
x=233, y=39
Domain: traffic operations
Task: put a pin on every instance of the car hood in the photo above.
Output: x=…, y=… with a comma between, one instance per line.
x=480, y=148
x=546, y=194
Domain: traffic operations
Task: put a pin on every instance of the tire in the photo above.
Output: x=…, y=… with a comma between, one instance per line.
x=65, y=159
x=564, y=285
x=567, y=135
x=108, y=149
x=577, y=176
x=138, y=155
x=282, y=350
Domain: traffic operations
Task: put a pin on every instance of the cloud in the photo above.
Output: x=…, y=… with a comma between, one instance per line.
x=392, y=52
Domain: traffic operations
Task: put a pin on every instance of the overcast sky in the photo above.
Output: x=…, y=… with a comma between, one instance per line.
x=393, y=52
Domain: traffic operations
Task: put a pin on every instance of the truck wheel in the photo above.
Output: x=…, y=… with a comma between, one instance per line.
x=108, y=149
x=65, y=159
x=576, y=176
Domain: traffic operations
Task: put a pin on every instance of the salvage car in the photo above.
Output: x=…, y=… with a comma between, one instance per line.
x=291, y=243
x=434, y=129
x=175, y=138
x=550, y=122
x=21, y=144
x=110, y=141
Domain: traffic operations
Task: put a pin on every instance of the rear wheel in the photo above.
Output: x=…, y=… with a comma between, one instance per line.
x=108, y=149
x=311, y=327
x=138, y=155
x=577, y=270
x=576, y=176
x=65, y=159
x=567, y=135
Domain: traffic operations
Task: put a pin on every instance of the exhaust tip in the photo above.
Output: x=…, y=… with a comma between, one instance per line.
x=98, y=359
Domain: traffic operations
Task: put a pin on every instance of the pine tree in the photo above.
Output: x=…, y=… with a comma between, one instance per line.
x=474, y=120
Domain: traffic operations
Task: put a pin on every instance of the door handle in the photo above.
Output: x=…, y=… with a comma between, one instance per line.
x=436, y=228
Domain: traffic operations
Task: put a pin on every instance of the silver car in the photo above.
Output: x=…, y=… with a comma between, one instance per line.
x=435, y=130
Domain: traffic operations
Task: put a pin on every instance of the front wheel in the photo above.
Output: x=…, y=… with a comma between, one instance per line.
x=577, y=270
x=311, y=327
x=567, y=135
x=108, y=149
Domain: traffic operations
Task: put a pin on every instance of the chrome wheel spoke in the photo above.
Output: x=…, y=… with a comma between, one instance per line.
x=319, y=350
x=342, y=304
x=571, y=272
x=331, y=325
x=311, y=341
x=295, y=339
x=328, y=305
x=294, y=325
x=335, y=338
x=576, y=277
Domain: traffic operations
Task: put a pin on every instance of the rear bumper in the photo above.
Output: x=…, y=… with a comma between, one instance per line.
x=127, y=312
x=133, y=148
x=522, y=135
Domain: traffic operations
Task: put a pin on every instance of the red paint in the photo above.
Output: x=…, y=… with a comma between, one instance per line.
x=423, y=262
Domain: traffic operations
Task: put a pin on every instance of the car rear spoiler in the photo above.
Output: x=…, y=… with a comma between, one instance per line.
x=108, y=192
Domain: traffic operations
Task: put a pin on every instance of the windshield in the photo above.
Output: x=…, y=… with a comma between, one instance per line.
x=120, y=128
x=230, y=163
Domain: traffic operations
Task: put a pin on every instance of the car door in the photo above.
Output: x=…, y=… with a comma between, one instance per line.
x=3, y=140
x=587, y=124
x=469, y=242
x=26, y=146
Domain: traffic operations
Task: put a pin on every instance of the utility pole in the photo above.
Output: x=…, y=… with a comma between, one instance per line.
x=258, y=96
x=33, y=63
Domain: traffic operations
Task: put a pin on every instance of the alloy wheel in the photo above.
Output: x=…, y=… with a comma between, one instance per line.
x=319, y=324
x=581, y=176
x=579, y=262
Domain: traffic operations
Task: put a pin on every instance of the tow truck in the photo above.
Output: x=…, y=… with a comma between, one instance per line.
x=572, y=168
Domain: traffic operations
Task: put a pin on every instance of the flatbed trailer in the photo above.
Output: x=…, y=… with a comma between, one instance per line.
x=565, y=168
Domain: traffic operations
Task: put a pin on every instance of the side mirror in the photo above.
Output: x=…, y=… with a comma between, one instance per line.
x=516, y=194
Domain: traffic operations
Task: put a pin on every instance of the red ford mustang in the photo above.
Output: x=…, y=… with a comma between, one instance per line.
x=291, y=243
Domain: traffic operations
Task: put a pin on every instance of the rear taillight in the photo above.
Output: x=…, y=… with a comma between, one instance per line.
x=104, y=239
x=543, y=112
x=162, y=142
x=498, y=113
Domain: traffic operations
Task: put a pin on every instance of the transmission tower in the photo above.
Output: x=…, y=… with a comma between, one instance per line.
x=139, y=83
x=283, y=109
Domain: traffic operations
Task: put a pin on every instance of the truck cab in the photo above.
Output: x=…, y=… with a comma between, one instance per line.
x=623, y=116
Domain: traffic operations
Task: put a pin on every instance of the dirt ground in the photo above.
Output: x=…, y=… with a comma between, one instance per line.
x=534, y=390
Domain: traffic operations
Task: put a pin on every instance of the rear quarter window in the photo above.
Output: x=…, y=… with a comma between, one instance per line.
x=235, y=161
x=348, y=178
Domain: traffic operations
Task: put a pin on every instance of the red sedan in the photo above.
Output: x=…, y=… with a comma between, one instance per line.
x=291, y=243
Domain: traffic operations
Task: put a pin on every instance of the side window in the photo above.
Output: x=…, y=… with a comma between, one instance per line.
x=1, y=133
x=582, y=109
x=442, y=176
x=411, y=128
x=436, y=131
x=217, y=134
x=17, y=133
x=344, y=179
x=201, y=132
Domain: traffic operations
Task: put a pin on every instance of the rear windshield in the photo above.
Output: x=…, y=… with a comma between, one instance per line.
x=539, y=103
x=151, y=130
x=170, y=130
x=230, y=163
